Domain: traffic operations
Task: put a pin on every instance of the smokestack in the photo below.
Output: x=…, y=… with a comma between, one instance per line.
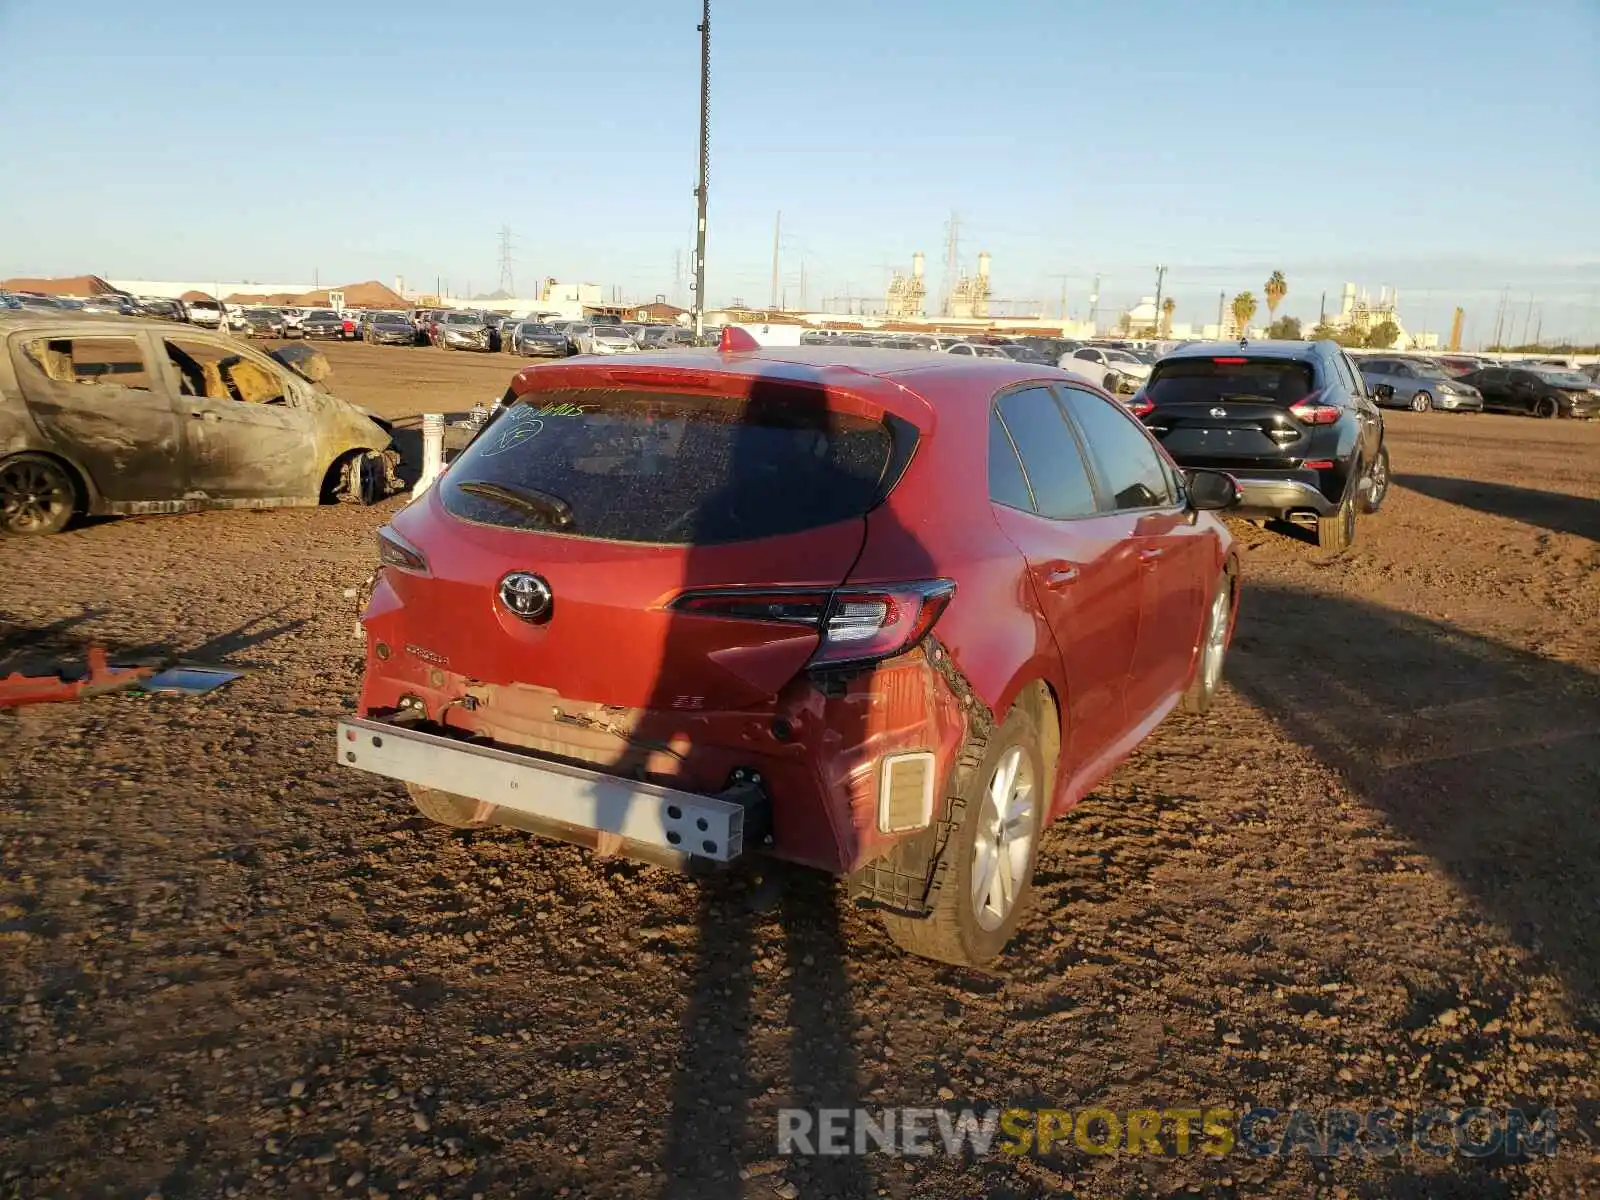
x=1347, y=302
x=983, y=265
x=918, y=265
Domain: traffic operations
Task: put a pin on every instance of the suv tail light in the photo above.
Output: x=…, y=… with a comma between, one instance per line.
x=1311, y=412
x=1141, y=405
x=857, y=625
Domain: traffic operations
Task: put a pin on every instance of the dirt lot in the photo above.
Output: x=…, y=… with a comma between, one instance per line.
x=228, y=967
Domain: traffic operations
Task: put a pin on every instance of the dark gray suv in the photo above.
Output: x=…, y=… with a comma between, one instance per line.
x=1290, y=421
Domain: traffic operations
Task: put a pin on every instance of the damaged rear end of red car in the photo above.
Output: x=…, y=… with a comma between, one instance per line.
x=674, y=610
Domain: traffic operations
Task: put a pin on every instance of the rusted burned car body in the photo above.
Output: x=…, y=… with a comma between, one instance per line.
x=147, y=418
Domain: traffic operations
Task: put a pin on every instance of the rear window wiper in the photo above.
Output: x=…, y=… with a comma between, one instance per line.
x=528, y=499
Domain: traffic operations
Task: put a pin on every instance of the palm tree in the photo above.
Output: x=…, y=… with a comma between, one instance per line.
x=1277, y=288
x=1167, y=307
x=1244, y=307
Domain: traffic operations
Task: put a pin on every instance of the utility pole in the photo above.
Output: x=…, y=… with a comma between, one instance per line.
x=777, y=231
x=1526, y=318
x=1222, y=298
x=705, y=170
x=677, y=276
x=1161, y=275
x=1322, y=312
x=802, y=285
x=1094, y=308
x=1538, y=328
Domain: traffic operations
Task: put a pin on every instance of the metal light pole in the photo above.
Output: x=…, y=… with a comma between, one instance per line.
x=705, y=170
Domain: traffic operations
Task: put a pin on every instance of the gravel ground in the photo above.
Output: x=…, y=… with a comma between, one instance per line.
x=1371, y=876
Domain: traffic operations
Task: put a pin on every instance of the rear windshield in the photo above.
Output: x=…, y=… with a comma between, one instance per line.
x=669, y=469
x=1204, y=380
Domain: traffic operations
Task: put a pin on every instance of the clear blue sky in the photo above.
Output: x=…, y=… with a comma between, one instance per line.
x=1447, y=150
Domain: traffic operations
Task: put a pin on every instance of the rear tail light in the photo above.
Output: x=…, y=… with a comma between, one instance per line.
x=395, y=551
x=857, y=625
x=1141, y=405
x=1319, y=464
x=1310, y=412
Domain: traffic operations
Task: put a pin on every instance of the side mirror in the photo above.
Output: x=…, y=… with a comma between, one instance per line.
x=1210, y=491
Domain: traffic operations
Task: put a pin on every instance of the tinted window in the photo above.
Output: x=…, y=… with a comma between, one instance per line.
x=1050, y=454
x=960, y=349
x=670, y=469
x=1128, y=464
x=1229, y=377
x=1007, y=485
x=1089, y=355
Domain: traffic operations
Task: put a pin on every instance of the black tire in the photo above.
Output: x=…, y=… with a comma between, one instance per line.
x=444, y=807
x=1421, y=402
x=954, y=932
x=37, y=495
x=1546, y=408
x=1202, y=689
x=1336, y=533
x=1377, y=482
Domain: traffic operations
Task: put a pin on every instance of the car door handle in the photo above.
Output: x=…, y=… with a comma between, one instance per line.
x=1150, y=554
x=205, y=415
x=1061, y=576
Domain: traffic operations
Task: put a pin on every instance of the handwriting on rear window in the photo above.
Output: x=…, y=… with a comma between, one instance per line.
x=525, y=424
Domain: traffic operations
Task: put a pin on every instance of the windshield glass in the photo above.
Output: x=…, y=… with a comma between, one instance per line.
x=463, y=319
x=1121, y=356
x=535, y=327
x=1205, y=380
x=322, y=314
x=670, y=469
x=1562, y=378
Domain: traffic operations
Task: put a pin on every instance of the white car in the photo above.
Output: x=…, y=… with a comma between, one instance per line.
x=976, y=350
x=602, y=339
x=208, y=314
x=1111, y=369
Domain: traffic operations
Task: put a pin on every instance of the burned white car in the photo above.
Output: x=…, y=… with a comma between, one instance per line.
x=103, y=415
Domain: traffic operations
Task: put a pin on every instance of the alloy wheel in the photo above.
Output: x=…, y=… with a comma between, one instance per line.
x=1003, y=848
x=34, y=495
x=1421, y=402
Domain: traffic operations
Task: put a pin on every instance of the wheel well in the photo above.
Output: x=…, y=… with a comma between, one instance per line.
x=330, y=477
x=1041, y=700
x=80, y=480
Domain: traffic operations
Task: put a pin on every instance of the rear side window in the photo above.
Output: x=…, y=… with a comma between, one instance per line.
x=1050, y=455
x=1207, y=380
x=113, y=361
x=670, y=469
x=1007, y=484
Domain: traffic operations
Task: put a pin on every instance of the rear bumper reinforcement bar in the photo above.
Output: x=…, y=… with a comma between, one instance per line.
x=684, y=822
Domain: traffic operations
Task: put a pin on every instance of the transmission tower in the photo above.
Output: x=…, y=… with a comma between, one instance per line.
x=507, y=282
x=951, y=261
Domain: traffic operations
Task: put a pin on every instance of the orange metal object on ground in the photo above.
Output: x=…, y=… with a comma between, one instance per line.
x=17, y=689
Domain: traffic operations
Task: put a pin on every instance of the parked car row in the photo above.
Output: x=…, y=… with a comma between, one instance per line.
x=1461, y=383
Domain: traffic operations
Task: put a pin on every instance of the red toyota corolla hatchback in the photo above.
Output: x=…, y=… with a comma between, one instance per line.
x=879, y=612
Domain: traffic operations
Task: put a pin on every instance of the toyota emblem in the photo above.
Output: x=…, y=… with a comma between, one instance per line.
x=526, y=596
x=1219, y=412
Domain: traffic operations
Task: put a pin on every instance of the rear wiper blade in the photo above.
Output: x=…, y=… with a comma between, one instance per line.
x=528, y=499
